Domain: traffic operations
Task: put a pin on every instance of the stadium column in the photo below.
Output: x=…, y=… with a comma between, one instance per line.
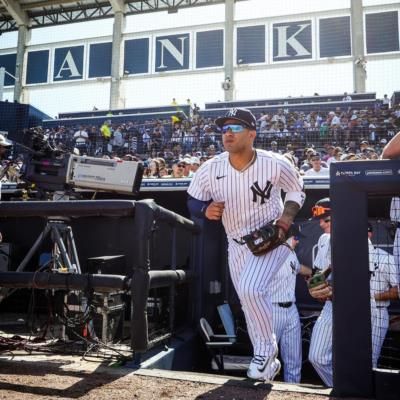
x=229, y=16
x=115, y=88
x=21, y=18
x=19, y=66
x=357, y=40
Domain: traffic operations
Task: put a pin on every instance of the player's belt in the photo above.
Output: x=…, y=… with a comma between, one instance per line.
x=285, y=305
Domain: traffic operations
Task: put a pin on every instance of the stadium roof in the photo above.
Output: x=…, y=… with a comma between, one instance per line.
x=39, y=13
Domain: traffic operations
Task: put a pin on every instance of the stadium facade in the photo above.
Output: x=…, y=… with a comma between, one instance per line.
x=277, y=51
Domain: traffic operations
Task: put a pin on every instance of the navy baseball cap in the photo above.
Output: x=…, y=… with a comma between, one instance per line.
x=295, y=230
x=242, y=115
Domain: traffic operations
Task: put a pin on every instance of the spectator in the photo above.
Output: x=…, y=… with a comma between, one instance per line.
x=274, y=146
x=81, y=139
x=178, y=169
x=337, y=155
x=346, y=97
x=187, y=161
x=118, y=140
x=195, y=164
x=385, y=102
x=154, y=169
x=316, y=168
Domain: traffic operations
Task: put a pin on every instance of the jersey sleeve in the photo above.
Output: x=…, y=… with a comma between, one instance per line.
x=393, y=273
x=323, y=257
x=199, y=187
x=395, y=209
x=291, y=182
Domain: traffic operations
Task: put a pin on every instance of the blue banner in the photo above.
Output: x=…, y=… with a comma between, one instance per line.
x=382, y=32
x=8, y=61
x=210, y=49
x=334, y=37
x=250, y=44
x=292, y=41
x=136, y=59
x=100, y=60
x=172, y=52
x=37, y=66
x=68, y=63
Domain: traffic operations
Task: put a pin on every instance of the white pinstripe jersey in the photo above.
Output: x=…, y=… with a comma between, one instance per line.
x=395, y=209
x=283, y=284
x=383, y=272
x=252, y=197
x=323, y=258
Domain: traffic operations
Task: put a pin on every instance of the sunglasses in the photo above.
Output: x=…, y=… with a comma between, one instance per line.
x=233, y=128
x=181, y=165
x=319, y=210
x=327, y=220
x=316, y=159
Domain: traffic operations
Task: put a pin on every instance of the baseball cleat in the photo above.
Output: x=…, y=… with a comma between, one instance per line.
x=263, y=368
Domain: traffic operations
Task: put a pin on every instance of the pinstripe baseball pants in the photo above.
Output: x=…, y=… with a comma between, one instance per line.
x=320, y=354
x=380, y=325
x=288, y=334
x=251, y=277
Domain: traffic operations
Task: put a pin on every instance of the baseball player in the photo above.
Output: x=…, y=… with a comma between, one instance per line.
x=284, y=311
x=383, y=277
x=320, y=353
x=242, y=188
x=392, y=151
x=395, y=218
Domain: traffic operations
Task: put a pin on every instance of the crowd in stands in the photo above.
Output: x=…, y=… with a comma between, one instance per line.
x=176, y=147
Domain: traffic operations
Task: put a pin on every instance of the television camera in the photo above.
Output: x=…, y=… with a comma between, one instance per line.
x=52, y=167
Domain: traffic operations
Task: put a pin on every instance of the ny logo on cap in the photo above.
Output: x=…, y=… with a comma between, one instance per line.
x=232, y=112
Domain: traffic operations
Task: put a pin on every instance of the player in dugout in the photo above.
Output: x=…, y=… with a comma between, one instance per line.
x=242, y=188
x=320, y=353
x=392, y=151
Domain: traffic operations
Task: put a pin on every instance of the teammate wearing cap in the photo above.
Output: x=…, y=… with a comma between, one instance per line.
x=384, y=286
x=320, y=353
x=242, y=187
x=286, y=318
x=392, y=151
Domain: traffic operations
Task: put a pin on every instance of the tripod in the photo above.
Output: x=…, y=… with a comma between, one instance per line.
x=64, y=257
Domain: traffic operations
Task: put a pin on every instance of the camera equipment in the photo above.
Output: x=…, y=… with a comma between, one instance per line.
x=104, y=174
x=53, y=168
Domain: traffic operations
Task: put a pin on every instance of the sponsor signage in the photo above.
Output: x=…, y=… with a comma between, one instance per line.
x=68, y=63
x=172, y=52
x=262, y=43
x=292, y=41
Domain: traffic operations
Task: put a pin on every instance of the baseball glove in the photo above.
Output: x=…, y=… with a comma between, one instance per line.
x=265, y=239
x=319, y=288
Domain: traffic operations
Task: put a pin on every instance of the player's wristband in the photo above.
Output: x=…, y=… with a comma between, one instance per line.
x=283, y=225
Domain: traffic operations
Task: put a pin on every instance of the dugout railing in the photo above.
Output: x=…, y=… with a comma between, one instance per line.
x=156, y=244
x=354, y=187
